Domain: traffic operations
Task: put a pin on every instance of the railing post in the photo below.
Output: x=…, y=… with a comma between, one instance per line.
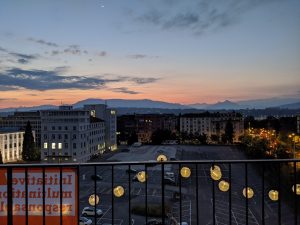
x=26, y=195
x=61, y=195
x=9, y=197
x=163, y=192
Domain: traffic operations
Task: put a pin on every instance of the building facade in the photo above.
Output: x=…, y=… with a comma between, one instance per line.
x=19, y=121
x=212, y=124
x=110, y=117
x=69, y=135
x=298, y=124
x=11, y=144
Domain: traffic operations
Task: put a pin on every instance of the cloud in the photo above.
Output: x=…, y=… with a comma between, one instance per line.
x=198, y=16
x=102, y=53
x=144, y=80
x=124, y=90
x=19, y=57
x=49, y=99
x=7, y=99
x=41, y=80
x=141, y=56
x=43, y=42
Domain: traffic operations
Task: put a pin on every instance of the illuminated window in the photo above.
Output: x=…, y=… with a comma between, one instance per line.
x=53, y=145
x=59, y=145
x=45, y=145
x=112, y=112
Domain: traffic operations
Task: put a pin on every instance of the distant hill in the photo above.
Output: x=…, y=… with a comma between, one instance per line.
x=267, y=103
x=27, y=109
x=224, y=105
x=124, y=103
x=290, y=106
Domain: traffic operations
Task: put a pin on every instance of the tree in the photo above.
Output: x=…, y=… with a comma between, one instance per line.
x=229, y=132
x=159, y=136
x=132, y=138
x=1, y=160
x=30, y=152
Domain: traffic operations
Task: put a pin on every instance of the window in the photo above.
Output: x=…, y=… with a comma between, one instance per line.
x=53, y=127
x=66, y=145
x=66, y=136
x=45, y=145
x=53, y=136
x=74, y=136
x=59, y=145
x=59, y=128
x=45, y=136
x=59, y=136
x=74, y=127
x=74, y=145
x=66, y=128
x=53, y=145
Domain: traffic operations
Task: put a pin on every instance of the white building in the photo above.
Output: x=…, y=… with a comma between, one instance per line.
x=110, y=117
x=69, y=135
x=211, y=124
x=11, y=144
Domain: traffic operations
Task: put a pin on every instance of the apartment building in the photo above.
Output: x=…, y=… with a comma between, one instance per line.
x=212, y=124
x=19, y=121
x=109, y=116
x=298, y=124
x=11, y=144
x=71, y=135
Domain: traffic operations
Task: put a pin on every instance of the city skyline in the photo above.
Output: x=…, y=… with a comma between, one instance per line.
x=169, y=50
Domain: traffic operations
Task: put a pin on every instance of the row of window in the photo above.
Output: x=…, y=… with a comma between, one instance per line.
x=10, y=145
x=12, y=136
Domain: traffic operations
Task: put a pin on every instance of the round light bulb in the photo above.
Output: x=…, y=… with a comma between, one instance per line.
x=162, y=158
x=224, y=185
x=215, y=173
x=141, y=176
x=119, y=191
x=185, y=172
x=248, y=192
x=297, y=189
x=274, y=195
x=94, y=200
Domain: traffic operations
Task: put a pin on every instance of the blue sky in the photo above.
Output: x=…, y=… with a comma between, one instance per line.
x=171, y=50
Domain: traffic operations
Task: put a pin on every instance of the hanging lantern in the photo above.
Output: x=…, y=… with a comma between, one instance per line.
x=161, y=158
x=185, y=172
x=297, y=189
x=215, y=173
x=274, y=195
x=94, y=200
x=248, y=192
x=224, y=185
x=141, y=176
x=119, y=191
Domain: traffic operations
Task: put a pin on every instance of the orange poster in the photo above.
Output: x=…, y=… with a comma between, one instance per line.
x=34, y=181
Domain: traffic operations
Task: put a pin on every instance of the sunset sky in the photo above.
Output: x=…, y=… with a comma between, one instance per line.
x=183, y=51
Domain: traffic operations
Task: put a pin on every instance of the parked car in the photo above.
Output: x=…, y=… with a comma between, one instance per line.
x=137, y=144
x=131, y=170
x=90, y=211
x=170, y=175
x=169, y=181
x=96, y=177
x=85, y=221
x=153, y=222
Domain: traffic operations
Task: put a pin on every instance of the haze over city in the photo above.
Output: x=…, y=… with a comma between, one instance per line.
x=170, y=50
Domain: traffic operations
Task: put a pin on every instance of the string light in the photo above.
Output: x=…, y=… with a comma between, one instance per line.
x=224, y=185
x=273, y=195
x=141, y=176
x=297, y=189
x=162, y=158
x=94, y=200
x=248, y=192
x=215, y=173
x=185, y=172
x=119, y=191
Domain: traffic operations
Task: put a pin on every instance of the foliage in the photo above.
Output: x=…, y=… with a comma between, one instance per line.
x=159, y=136
x=30, y=152
x=132, y=138
x=215, y=138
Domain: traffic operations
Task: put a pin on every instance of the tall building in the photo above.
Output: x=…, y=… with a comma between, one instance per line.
x=70, y=135
x=212, y=124
x=110, y=117
x=19, y=121
x=11, y=144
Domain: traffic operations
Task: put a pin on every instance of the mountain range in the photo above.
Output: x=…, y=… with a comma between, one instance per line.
x=287, y=103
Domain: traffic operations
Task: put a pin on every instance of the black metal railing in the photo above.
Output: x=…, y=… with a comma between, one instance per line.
x=170, y=192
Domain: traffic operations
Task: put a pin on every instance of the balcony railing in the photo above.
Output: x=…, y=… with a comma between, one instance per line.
x=168, y=192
